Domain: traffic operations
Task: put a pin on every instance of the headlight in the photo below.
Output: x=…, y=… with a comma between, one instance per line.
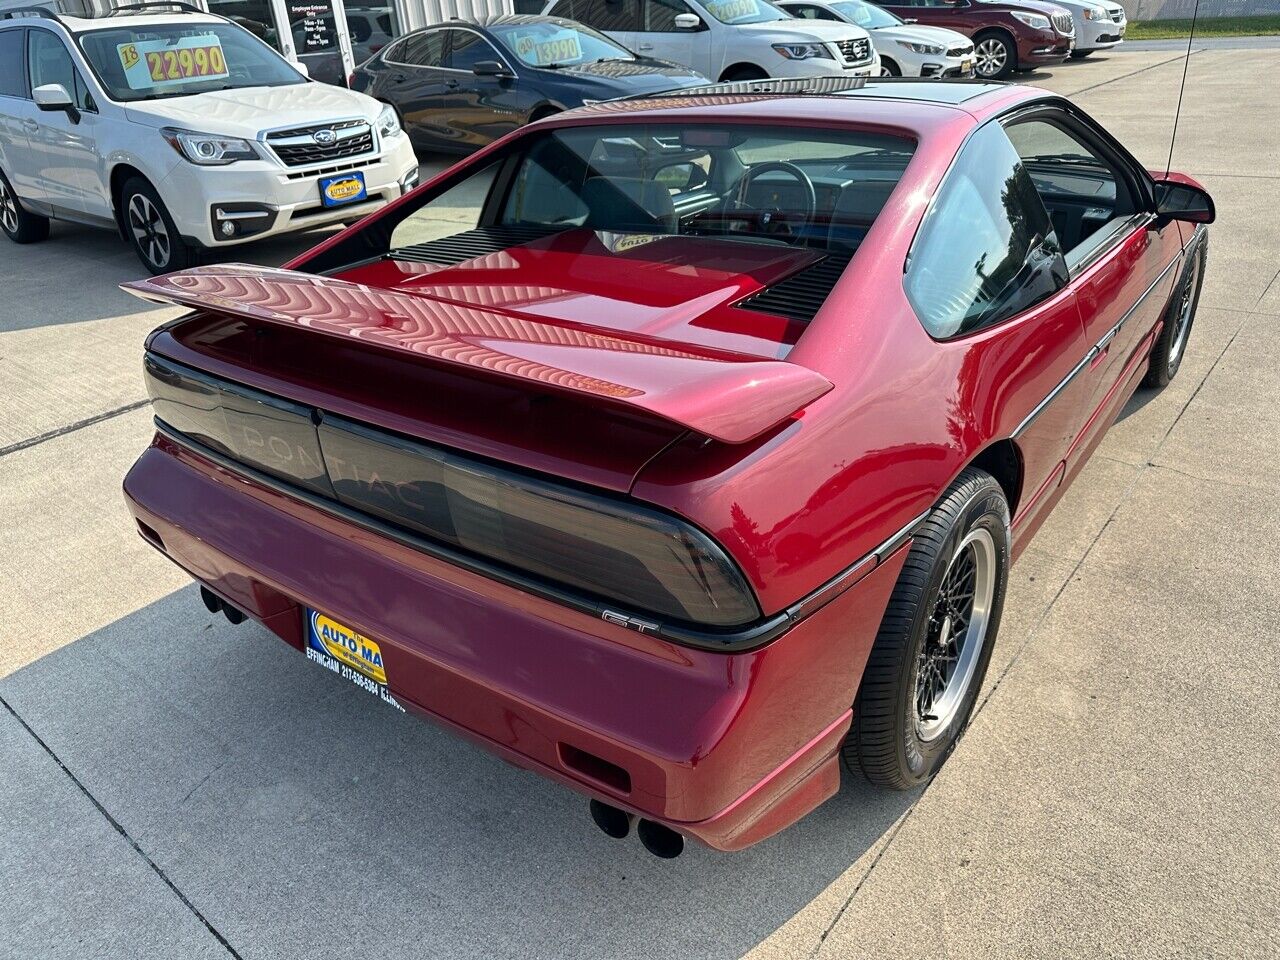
x=928, y=49
x=388, y=123
x=1033, y=20
x=803, y=51
x=208, y=150
x=1096, y=13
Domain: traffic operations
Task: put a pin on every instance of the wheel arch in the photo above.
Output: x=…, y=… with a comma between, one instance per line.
x=121, y=174
x=741, y=65
x=1003, y=460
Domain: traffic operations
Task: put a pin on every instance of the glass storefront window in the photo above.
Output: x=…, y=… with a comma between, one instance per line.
x=373, y=25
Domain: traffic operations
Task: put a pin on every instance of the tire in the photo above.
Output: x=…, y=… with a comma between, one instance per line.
x=1179, y=316
x=996, y=53
x=1080, y=54
x=904, y=731
x=152, y=231
x=18, y=223
x=740, y=74
x=888, y=68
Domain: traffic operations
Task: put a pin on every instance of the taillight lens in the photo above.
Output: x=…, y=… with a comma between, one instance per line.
x=619, y=551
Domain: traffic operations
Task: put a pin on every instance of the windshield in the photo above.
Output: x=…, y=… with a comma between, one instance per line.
x=744, y=11
x=180, y=59
x=558, y=43
x=795, y=186
x=866, y=15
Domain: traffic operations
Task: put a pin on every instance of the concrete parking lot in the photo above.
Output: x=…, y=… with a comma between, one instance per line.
x=173, y=787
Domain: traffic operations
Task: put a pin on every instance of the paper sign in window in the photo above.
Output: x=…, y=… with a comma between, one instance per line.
x=156, y=64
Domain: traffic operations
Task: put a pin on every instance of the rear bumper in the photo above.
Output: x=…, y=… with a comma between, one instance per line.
x=726, y=748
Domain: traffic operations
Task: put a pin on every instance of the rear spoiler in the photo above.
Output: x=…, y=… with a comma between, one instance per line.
x=731, y=397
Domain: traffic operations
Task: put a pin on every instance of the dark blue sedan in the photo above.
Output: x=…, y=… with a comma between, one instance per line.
x=461, y=84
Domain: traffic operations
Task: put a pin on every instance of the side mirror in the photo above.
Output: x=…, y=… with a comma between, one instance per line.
x=490, y=68
x=1176, y=200
x=303, y=69
x=688, y=21
x=53, y=98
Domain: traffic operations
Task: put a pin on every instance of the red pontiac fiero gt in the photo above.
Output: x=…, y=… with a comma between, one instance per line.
x=676, y=448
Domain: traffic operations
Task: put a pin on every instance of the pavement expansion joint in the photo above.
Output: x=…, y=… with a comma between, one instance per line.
x=119, y=828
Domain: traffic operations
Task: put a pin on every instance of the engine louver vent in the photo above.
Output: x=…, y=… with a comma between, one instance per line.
x=799, y=296
x=473, y=243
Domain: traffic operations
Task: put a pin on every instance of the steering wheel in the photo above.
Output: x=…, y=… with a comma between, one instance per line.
x=775, y=219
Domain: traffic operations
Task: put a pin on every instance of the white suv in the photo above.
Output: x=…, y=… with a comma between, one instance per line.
x=182, y=131
x=729, y=39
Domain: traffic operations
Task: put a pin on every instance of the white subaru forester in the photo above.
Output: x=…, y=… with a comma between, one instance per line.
x=182, y=131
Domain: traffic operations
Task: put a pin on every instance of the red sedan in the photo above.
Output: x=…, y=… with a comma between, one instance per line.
x=678, y=448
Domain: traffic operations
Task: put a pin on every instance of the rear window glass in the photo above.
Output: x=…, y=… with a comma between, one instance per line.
x=12, y=81
x=811, y=187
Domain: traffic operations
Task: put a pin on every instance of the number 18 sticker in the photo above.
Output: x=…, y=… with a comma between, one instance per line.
x=151, y=64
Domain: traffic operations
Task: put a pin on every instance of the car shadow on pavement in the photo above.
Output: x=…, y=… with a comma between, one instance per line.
x=304, y=817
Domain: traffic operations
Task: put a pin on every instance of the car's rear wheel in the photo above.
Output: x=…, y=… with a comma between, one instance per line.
x=19, y=224
x=931, y=653
x=995, y=56
x=1180, y=314
x=151, y=229
x=888, y=68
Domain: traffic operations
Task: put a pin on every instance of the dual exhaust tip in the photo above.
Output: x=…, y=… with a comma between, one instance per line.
x=214, y=603
x=659, y=840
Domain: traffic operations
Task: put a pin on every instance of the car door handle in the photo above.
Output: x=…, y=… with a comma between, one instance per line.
x=451, y=84
x=30, y=126
x=645, y=46
x=398, y=78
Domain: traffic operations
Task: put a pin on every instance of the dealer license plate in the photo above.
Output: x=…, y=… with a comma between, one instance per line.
x=342, y=189
x=352, y=656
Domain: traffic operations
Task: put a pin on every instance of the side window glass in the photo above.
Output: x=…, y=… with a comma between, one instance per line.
x=424, y=50
x=548, y=188
x=466, y=49
x=661, y=14
x=13, y=83
x=803, y=12
x=986, y=250
x=49, y=62
x=1082, y=191
x=607, y=15
x=457, y=210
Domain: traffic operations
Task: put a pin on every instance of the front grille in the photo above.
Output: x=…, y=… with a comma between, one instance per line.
x=960, y=51
x=297, y=147
x=473, y=243
x=1062, y=23
x=855, y=51
x=1117, y=16
x=800, y=295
